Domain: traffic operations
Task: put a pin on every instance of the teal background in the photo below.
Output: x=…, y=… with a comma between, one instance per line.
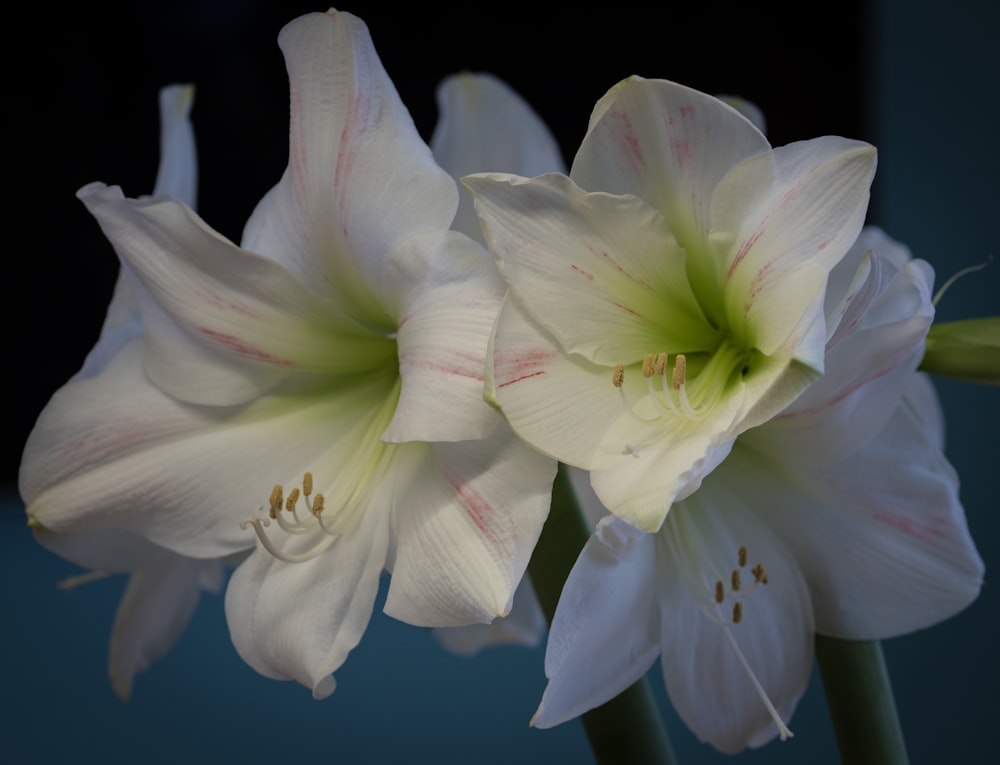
x=918, y=79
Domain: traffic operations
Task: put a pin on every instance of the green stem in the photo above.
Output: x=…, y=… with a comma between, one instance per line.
x=861, y=704
x=628, y=728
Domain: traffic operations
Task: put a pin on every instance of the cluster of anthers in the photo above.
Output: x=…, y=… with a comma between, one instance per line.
x=286, y=513
x=655, y=364
x=736, y=590
x=737, y=593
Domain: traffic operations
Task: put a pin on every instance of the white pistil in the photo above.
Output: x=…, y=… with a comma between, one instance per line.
x=783, y=730
x=258, y=526
x=740, y=594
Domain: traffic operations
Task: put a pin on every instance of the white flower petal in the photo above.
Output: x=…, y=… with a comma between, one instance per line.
x=178, y=171
x=872, y=240
x=300, y=620
x=542, y=391
x=524, y=625
x=782, y=221
x=881, y=536
x=669, y=145
x=177, y=176
x=115, y=451
x=601, y=273
x=157, y=607
x=221, y=324
x=484, y=126
x=872, y=355
x=664, y=468
x=713, y=657
x=360, y=180
x=605, y=634
x=466, y=520
x=446, y=317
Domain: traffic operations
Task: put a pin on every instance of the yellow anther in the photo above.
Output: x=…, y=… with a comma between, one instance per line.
x=277, y=497
x=293, y=497
x=736, y=580
x=619, y=375
x=742, y=555
x=720, y=593
x=737, y=612
x=759, y=574
x=317, y=505
x=680, y=370
x=648, y=362
x=661, y=363
x=307, y=484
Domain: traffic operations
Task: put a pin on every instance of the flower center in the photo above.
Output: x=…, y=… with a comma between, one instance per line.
x=286, y=513
x=678, y=396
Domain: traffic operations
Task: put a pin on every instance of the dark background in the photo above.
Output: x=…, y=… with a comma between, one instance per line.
x=81, y=105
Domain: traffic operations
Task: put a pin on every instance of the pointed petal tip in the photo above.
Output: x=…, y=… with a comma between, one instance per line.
x=324, y=687
x=122, y=686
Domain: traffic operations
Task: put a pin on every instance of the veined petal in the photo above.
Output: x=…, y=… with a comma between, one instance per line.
x=871, y=240
x=524, y=625
x=177, y=176
x=466, y=521
x=449, y=298
x=157, y=607
x=221, y=324
x=605, y=634
x=484, y=126
x=737, y=640
x=780, y=223
x=602, y=273
x=360, y=180
x=881, y=535
x=542, y=391
x=300, y=620
x=669, y=145
x=872, y=355
x=116, y=451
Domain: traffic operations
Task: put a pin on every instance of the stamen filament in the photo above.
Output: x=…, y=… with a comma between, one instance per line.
x=292, y=527
x=258, y=526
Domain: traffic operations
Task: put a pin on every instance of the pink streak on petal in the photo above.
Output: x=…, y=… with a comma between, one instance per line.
x=580, y=271
x=244, y=348
x=514, y=366
x=911, y=527
x=475, y=373
x=477, y=508
x=622, y=127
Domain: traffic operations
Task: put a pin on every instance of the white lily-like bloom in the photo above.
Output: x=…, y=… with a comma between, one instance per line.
x=340, y=351
x=840, y=516
x=163, y=587
x=668, y=294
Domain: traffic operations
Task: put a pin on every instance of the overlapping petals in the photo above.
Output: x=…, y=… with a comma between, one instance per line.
x=669, y=294
x=839, y=516
x=338, y=350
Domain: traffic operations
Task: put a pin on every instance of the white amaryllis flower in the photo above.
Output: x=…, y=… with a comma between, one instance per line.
x=839, y=516
x=668, y=294
x=163, y=587
x=338, y=350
